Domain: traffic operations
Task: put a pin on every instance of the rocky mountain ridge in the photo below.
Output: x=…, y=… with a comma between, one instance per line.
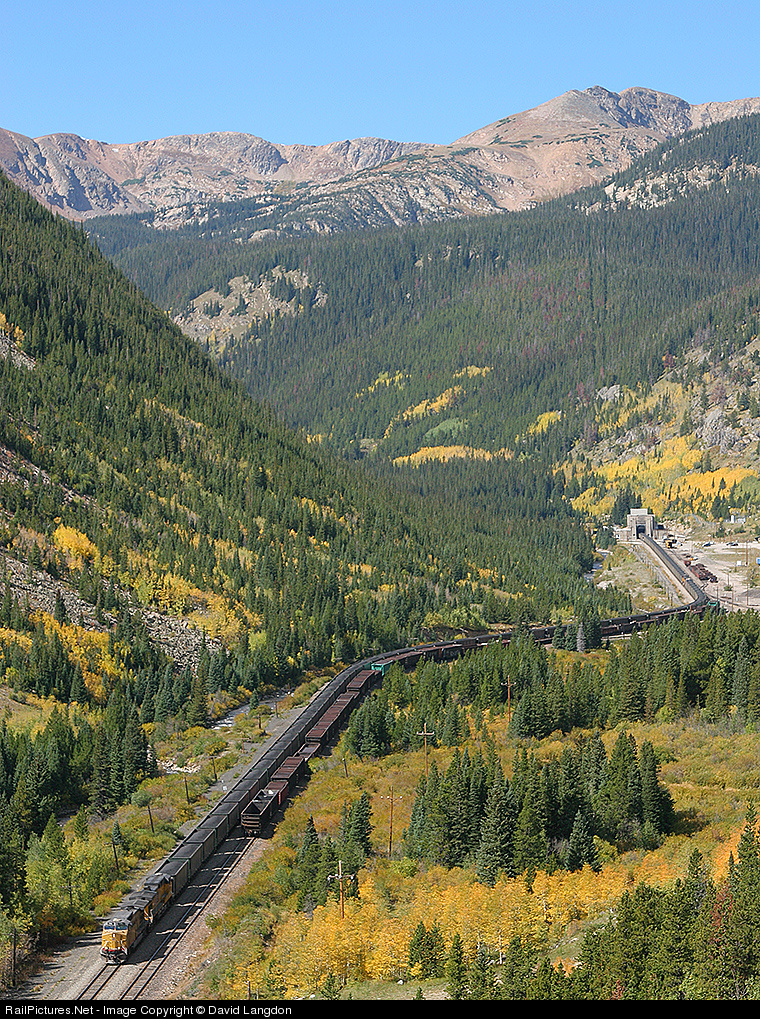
x=576, y=139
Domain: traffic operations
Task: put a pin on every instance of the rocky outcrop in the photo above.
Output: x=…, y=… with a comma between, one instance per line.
x=82, y=178
x=641, y=107
x=176, y=636
x=716, y=431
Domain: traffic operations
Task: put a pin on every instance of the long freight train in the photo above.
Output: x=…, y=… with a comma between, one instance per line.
x=267, y=783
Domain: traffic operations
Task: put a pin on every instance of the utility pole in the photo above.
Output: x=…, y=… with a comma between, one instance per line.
x=508, y=685
x=390, y=826
x=425, y=733
x=340, y=877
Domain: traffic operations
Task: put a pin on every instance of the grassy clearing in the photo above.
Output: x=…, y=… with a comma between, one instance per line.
x=622, y=569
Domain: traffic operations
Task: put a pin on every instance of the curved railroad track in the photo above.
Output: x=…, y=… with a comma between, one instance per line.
x=268, y=782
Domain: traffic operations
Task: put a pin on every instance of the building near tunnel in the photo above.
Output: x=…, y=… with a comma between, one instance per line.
x=640, y=522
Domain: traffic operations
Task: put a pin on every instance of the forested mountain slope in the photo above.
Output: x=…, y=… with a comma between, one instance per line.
x=140, y=474
x=133, y=436
x=168, y=548
x=486, y=335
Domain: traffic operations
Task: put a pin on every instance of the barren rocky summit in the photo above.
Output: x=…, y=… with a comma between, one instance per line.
x=573, y=140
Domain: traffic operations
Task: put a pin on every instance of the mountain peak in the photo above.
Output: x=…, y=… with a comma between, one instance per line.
x=568, y=142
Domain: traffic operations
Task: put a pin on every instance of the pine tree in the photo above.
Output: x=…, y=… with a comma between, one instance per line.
x=81, y=825
x=581, y=848
x=753, y=698
x=117, y=768
x=541, y=988
x=518, y=968
x=134, y=754
x=328, y=864
x=434, y=953
x=571, y=637
x=59, y=613
x=360, y=824
x=657, y=804
x=672, y=957
x=456, y=971
x=100, y=786
x=330, y=988
x=745, y=919
x=494, y=852
x=580, y=639
x=417, y=945
x=78, y=691
x=716, y=695
x=197, y=708
x=530, y=846
x=741, y=679
x=480, y=978
x=53, y=838
x=427, y=950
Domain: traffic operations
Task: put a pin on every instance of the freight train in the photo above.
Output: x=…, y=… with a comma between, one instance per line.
x=269, y=781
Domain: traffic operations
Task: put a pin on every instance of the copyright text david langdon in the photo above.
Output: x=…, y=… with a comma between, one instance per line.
x=101, y=1009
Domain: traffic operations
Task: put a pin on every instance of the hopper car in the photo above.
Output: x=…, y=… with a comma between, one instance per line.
x=267, y=783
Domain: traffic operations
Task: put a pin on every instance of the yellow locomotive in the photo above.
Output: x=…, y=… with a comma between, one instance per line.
x=125, y=928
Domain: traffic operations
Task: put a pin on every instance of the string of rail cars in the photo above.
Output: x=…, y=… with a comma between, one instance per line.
x=268, y=782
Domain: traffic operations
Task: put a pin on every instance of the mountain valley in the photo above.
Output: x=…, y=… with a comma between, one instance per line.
x=293, y=406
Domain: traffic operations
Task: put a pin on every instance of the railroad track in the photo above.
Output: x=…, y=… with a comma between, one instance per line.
x=131, y=980
x=268, y=783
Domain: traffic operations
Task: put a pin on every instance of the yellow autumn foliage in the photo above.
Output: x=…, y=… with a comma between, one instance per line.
x=434, y=406
x=89, y=649
x=10, y=330
x=663, y=476
x=471, y=371
x=543, y=421
x=7, y=636
x=174, y=595
x=444, y=453
x=372, y=941
x=73, y=543
x=384, y=379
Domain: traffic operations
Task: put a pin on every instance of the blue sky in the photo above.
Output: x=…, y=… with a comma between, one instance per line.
x=315, y=72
